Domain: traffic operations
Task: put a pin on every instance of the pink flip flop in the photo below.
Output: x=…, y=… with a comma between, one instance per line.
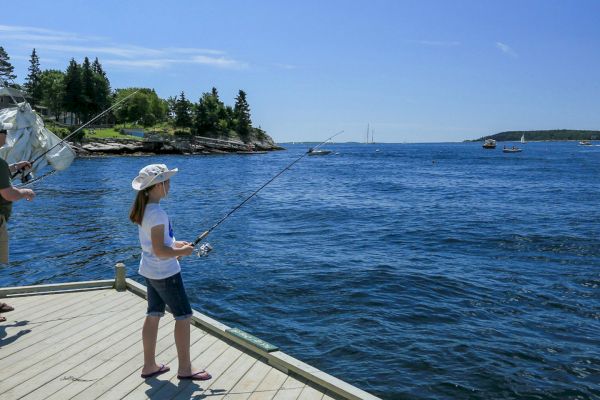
x=198, y=376
x=163, y=368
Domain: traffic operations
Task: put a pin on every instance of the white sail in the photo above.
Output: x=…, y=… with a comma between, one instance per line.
x=28, y=138
x=523, y=138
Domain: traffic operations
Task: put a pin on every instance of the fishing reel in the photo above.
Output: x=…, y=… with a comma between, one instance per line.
x=204, y=249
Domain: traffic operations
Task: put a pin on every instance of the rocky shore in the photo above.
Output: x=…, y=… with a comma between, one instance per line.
x=193, y=145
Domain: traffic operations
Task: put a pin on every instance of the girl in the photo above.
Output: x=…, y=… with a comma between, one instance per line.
x=160, y=266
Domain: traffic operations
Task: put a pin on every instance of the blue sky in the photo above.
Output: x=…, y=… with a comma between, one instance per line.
x=416, y=71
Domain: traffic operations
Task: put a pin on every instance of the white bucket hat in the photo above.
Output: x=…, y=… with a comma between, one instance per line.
x=151, y=175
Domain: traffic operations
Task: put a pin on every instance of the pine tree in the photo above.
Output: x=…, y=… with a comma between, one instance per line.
x=88, y=105
x=33, y=81
x=72, y=99
x=6, y=68
x=101, y=85
x=183, y=117
x=241, y=111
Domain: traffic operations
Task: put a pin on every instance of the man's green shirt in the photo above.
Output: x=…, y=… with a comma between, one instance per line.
x=5, y=205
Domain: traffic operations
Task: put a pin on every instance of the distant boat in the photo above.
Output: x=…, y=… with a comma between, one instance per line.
x=585, y=143
x=371, y=141
x=511, y=150
x=523, y=138
x=489, y=144
x=314, y=152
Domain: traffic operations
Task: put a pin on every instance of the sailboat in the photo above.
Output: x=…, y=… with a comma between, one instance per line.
x=523, y=138
x=372, y=135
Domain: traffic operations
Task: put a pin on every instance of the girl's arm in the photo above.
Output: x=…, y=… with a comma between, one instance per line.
x=157, y=234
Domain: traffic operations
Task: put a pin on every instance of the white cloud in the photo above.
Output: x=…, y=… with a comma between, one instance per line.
x=506, y=49
x=125, y=55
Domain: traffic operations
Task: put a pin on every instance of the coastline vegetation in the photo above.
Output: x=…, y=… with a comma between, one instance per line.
x=546, y=135
x=74, y=96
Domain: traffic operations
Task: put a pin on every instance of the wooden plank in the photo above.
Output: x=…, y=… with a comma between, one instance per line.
x=148, y=388
x=263, y=395
x=54, y=303
x=311, y=393
x=122, y=365
x=221, y=385
x=318, y=377
x=60, y=329
x=63, y=345
x=54, y=287
x=39, y=325
x=249, y=382
x=132, y=382
x=288, y=394
x=272, y=381
x=87, y=372
x=292, y=383
x=45, y=376
x=174, y=387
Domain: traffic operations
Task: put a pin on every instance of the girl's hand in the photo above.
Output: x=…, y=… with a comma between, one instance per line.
x=180, y=243
x=186, y=249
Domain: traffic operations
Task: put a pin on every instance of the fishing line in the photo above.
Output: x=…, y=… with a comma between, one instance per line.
x=62, y=142
x=204, y=249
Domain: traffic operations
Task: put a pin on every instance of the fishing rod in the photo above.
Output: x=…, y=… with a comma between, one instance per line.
x=206, y=233
x=77, y=130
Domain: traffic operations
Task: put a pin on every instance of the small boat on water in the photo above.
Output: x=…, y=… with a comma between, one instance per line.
x=314, y=152
x=511, y=149
x=489, y=144
x=585, y=143
x=523, y=139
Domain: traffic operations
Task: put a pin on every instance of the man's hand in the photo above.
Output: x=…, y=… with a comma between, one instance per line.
x=28, y=194
x=21, y=165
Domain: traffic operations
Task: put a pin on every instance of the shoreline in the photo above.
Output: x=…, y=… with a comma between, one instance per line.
x=98, y=147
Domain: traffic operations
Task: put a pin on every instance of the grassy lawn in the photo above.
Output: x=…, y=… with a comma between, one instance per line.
x=108, y=133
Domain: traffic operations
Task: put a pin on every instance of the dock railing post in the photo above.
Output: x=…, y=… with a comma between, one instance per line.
x=120, y=283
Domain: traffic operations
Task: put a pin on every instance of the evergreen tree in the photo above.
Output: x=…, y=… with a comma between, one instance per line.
x=6, y=68
x=52, y=83
x=72, y=99
x=33, y=80
x=183, y=116
x=101, y=85
x=241, y=112
x=88, y=106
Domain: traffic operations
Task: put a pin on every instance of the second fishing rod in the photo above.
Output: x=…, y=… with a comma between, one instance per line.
x=206, y=248
x=76, y=131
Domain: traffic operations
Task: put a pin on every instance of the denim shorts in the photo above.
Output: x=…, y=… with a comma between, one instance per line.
x=170, y=292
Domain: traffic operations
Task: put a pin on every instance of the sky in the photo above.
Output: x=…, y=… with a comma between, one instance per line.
x=413, y=71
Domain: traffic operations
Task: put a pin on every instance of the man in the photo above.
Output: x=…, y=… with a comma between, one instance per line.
x=8, y=194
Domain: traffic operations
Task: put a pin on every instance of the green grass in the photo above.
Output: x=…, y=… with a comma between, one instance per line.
x=108, y=133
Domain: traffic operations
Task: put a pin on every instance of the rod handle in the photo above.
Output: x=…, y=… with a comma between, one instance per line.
x=202, y=236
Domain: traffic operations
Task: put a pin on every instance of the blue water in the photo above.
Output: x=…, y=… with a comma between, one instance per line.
x=428, y=271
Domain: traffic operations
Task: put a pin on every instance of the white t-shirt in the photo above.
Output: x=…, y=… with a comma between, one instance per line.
x=151, y=266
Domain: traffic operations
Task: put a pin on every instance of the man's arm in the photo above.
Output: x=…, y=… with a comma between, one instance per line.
x=14, y=194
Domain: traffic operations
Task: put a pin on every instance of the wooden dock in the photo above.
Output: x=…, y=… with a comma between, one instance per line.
x=83, y=341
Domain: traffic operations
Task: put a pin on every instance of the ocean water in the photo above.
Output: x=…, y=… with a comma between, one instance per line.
x=421, y=271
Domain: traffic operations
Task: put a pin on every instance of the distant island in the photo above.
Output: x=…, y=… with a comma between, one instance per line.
x=554, y=134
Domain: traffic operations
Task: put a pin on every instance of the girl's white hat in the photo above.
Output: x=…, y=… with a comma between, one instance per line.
x=151, y=175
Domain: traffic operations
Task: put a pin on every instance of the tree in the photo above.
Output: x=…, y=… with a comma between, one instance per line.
x=72, y=99
x=183, y=110
x=88, y=107
x=52, y=84
x=101, y=85
x=241, y=112
x=210, y=118
x=6, y=68
x=33, y=80
x=144, y=107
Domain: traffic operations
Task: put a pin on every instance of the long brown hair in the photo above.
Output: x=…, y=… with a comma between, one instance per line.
x=136, y=214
